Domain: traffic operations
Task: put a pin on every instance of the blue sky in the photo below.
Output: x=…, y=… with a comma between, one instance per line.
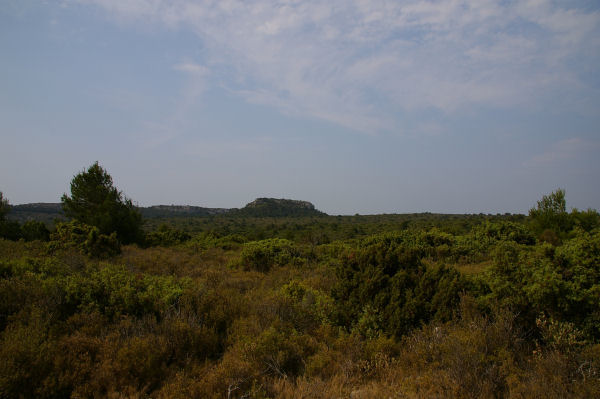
x=357, y=106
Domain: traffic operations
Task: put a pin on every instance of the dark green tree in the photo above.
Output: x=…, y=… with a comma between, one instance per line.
x=96, y=202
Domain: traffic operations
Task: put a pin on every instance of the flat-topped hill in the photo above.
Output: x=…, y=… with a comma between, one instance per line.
x=279, y=207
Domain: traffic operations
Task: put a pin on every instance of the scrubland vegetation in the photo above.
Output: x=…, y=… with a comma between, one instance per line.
x=306, y=306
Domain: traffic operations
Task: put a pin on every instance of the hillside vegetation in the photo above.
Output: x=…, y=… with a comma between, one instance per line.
x=234, y=306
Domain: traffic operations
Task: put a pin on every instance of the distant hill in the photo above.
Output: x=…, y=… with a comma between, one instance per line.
x=47, y=212
x=165, y=211
x=274, y=207
x=41, y=211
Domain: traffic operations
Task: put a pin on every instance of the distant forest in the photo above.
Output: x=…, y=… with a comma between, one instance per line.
x=100, y=298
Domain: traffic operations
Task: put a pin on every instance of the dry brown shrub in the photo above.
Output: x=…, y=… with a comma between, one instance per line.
x=196, y=381
x=312, y=388
x=74, y=365
x=179, y=261
x=470, y=358
x=553, y=374
x=158, y=260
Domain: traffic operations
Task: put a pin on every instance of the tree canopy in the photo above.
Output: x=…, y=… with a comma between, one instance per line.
x=551, y=216
x=96, y=202
x=551, y=213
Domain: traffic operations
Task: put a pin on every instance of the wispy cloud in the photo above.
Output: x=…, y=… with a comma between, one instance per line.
x=198, y=76
x=160, y=132
x=362, y=63
x=192, y=68
x=562, y=151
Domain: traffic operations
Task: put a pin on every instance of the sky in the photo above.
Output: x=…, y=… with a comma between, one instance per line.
x=359, y=106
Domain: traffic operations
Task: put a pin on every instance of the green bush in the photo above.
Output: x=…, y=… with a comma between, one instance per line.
x=166, y=236
x=491, y=232
x=34, y=230
x=208, y=240
x=586, y=220
x=562, y=282
x=551, y=213
x=87, y=239
x=265, y=254
x=25, y=355
x=10, y=230
x=282, y=351
x=384, y=286
x=304, y=307
x=113, y=290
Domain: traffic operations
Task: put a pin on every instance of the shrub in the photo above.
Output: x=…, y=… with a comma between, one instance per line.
x=34, y=230
x=472, y=357
x=210, y=240
x=586, y=220
x=282, y=350
x=551, y=213
x=10, y=230
x=304, y=307
x=562, y=282
x=491, y=232
x=113, y=291
x=166, y=236
x=385, y=286
x=265, y=254
x=25, y=355
x=87, y=239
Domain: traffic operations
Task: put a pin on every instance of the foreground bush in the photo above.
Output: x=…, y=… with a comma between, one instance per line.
x=562, y=282
x=385, y=287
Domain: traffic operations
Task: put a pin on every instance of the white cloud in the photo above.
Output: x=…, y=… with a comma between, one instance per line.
x=360, y=63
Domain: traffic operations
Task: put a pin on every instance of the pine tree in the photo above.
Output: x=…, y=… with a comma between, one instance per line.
x=96, y=202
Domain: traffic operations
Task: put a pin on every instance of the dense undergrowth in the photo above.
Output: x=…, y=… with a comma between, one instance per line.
x=328, y=307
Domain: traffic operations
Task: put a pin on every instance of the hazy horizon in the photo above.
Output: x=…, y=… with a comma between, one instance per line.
x=362, y=107
x=316, y=207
